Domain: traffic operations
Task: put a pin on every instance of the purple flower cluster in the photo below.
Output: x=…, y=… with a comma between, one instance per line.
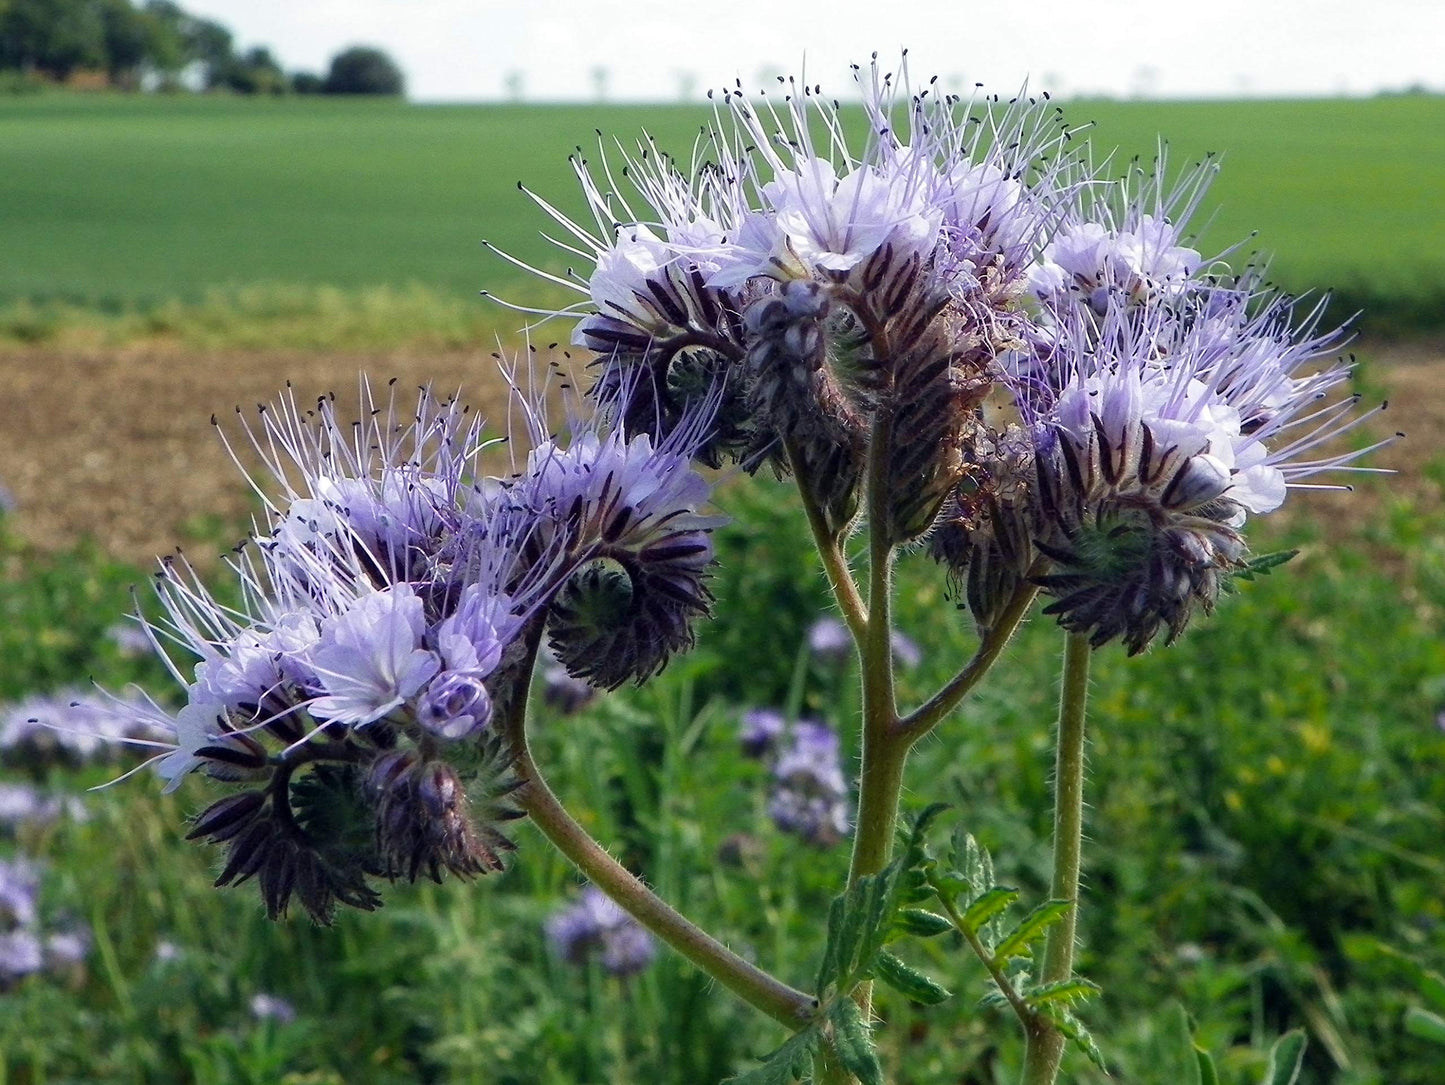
x=25, y=808
x=1163, y=405
x=26, y=947
x=393, y=603
x=832, y=289
x=809, y=796
x=595, y=926
x=863, y=304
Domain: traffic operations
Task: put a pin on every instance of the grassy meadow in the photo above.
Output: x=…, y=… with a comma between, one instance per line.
x=1267, y=796
x=187, y=209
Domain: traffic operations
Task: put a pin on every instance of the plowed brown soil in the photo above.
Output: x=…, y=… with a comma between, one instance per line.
x=117, y=446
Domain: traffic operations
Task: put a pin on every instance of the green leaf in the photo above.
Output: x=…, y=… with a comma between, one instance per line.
x=1033, y=927
x=972, y=862
x=1075, y=1032
x=949, y=884
x=1176, y=1058
x=1262, y=565
x=1207, y=1073
x=859, y=922
x=922, y=923
x=853, y=1042
x=987, y=905
x=907, y=980
x=832, y=947
x=1424, y=1024
x=1285, y=1059
x=923, y=822
x=785, y=1065
x=1067, y=992
x=1432, y=988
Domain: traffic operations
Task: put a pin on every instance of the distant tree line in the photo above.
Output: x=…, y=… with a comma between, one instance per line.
x=160, y=45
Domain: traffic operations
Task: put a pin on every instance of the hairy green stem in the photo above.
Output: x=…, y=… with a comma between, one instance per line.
x=1045, y=1044
x=767, y=993
x=932, y=712
x=750, y=983
x=830, y=552
x=880, y=776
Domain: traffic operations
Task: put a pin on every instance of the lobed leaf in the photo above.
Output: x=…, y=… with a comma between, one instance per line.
x=1034, y=926
x=1075, y=1032
x=853, y=1041
x=1066, y=992
x=785, y=1065
x=907, y=980
x=921, y=922
x=987, y=905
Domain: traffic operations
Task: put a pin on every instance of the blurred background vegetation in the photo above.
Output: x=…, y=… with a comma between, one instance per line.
x=1268, y=800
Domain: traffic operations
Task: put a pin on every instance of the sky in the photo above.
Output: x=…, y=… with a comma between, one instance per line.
x=670, y=50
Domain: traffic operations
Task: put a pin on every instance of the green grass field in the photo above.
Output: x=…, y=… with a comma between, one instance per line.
x=124, y=202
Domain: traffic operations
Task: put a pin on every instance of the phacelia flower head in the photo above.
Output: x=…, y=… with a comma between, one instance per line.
x=1125, y=241
x=390, y=611
x=1170, y=425
x=595, y=926
x=810, y=795
x=837, y=293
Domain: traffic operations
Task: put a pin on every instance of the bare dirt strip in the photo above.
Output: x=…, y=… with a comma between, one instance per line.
x=117, y=446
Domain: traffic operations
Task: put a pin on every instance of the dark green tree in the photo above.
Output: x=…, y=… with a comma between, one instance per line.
x=254, y=72
x=53, y=37
x=362, y=69
x=307, y=83
x=209, y=44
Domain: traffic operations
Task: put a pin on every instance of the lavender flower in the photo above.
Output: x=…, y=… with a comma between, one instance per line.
x=595, y=925
x=266, y=1007
x=631, y=511
x=829, y=640
x=72, y=726
x=831, y=286
x=19, y=893
x=1169, y=425
x=21, y=955
x=65, y=951
x=23, y=807
x=391, y=608
x=810, y=795
x=1125, y=241
x=760, y=731
x=369, y=658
